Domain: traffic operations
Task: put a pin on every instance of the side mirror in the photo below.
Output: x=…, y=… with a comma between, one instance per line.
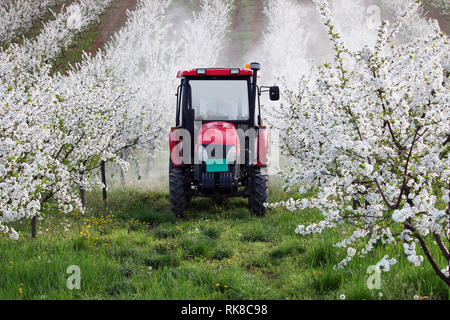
x=274, y=93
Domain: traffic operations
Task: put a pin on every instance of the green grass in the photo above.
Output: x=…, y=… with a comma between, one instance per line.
x=135, y=249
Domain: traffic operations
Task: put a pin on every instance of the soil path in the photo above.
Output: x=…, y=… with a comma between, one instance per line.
x=235, y=27
x=258, y=21
x=247, y=29
x=117, y=16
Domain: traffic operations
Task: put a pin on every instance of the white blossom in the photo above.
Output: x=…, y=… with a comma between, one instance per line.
x=374, y=140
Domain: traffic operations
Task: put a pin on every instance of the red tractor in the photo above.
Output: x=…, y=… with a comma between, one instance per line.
x=219, y=145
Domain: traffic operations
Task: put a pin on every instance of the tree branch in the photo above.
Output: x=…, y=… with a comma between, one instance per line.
x=427, y=252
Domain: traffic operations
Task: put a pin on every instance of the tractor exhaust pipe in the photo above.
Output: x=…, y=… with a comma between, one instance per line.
x=255, y=67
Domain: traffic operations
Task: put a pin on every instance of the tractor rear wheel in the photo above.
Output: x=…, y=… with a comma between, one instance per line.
x=179, y=190
x=258, y=191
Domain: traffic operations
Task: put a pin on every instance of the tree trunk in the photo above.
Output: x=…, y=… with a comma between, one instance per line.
x=148, y=170
x=82, y=191
x=122, y=177
x=33, y=227
x=103, y=170
x=83, y=197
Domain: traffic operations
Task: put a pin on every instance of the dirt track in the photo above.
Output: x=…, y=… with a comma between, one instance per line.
x=115, y=19
x=247, y=25
x=257, y=23
x=247, y=28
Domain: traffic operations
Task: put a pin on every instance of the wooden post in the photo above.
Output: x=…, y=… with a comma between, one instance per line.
x=103, y=171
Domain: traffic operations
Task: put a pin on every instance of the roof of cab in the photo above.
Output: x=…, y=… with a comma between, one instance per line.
x=214, y=72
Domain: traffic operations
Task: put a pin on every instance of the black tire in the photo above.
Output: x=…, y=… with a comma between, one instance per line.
x=219, y=201
x=179, y=190
x=258, y=191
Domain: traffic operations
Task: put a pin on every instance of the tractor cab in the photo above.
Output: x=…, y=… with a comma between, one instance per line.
x=218, y=147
